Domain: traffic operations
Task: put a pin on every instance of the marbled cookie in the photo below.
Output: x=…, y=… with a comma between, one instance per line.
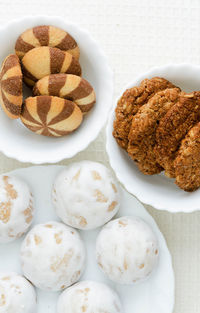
x=42, y=61
x=51, y=116
x=46, y=36
x=67, y=86
x=11, y=86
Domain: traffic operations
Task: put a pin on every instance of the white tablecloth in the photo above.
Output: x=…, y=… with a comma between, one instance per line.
x=136, y=35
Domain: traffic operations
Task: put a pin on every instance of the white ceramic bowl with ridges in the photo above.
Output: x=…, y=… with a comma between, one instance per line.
x=156, y=190
x=154, y=295
x=16, y=141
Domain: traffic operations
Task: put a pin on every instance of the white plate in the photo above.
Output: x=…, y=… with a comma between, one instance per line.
x=155, y=295
x=16, y=141
x=155, y=190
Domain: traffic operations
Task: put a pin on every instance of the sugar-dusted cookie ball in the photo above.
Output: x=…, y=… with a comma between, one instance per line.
x=89, y=297
x=52, y=256
x=127, y=250
x=17, y=295
x=16, y=208
x=86, y=195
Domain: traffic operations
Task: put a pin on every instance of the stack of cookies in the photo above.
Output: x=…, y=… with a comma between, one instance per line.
x=159, y=126
x=47, y=60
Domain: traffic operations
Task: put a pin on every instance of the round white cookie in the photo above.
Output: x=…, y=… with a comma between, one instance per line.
x=86, y=195
x=127, y=250
x=17, y=295
x=52, y=256
x=89, y=297
x=16, y=208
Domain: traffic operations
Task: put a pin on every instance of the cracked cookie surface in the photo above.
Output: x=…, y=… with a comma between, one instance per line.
x=187, y=162
x=130, y=102
x=173, y=128
x=142, y=135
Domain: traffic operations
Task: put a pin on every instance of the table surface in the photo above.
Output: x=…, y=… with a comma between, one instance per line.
x=136, y=35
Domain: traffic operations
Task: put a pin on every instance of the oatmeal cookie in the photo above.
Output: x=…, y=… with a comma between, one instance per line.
x=187, y=162
x=128, y=105
x=142, y=135
x=173, y=127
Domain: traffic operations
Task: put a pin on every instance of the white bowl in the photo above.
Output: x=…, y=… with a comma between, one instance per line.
x=16, y=141
x=153, y=295
x=156, y=190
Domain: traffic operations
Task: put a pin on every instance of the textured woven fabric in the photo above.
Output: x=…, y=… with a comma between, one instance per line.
x=136, y=35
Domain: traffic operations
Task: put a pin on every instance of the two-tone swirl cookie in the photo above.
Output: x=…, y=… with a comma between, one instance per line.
x=42, y=61
x=45, y=35
x=51, y=116
x=67, y=86
x=11, y=86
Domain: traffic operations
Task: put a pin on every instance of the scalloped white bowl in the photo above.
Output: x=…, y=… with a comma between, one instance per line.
x=153, y=295
x=16, y=141
x=156, y=190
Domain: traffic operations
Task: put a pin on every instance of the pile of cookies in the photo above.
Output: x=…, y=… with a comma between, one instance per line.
x=53, y=255
x=159, y=126
x=47, y=60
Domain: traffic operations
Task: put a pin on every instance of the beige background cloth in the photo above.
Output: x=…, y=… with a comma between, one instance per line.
x=136, y=35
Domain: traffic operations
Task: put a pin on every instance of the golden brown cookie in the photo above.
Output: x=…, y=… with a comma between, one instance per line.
x=67, y=86
x=130, y=102
x=187, y=162
x=42, y=61
x=173, y=127
x=46, y=36
x=11, y=86
x=142, y=135
x=51, y=116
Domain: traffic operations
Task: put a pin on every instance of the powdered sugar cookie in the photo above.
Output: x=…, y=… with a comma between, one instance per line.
x=52, y=256
x=89, y=297
x=86, y=195
x=16, y=208
x=17, y=295
x=127, y=250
